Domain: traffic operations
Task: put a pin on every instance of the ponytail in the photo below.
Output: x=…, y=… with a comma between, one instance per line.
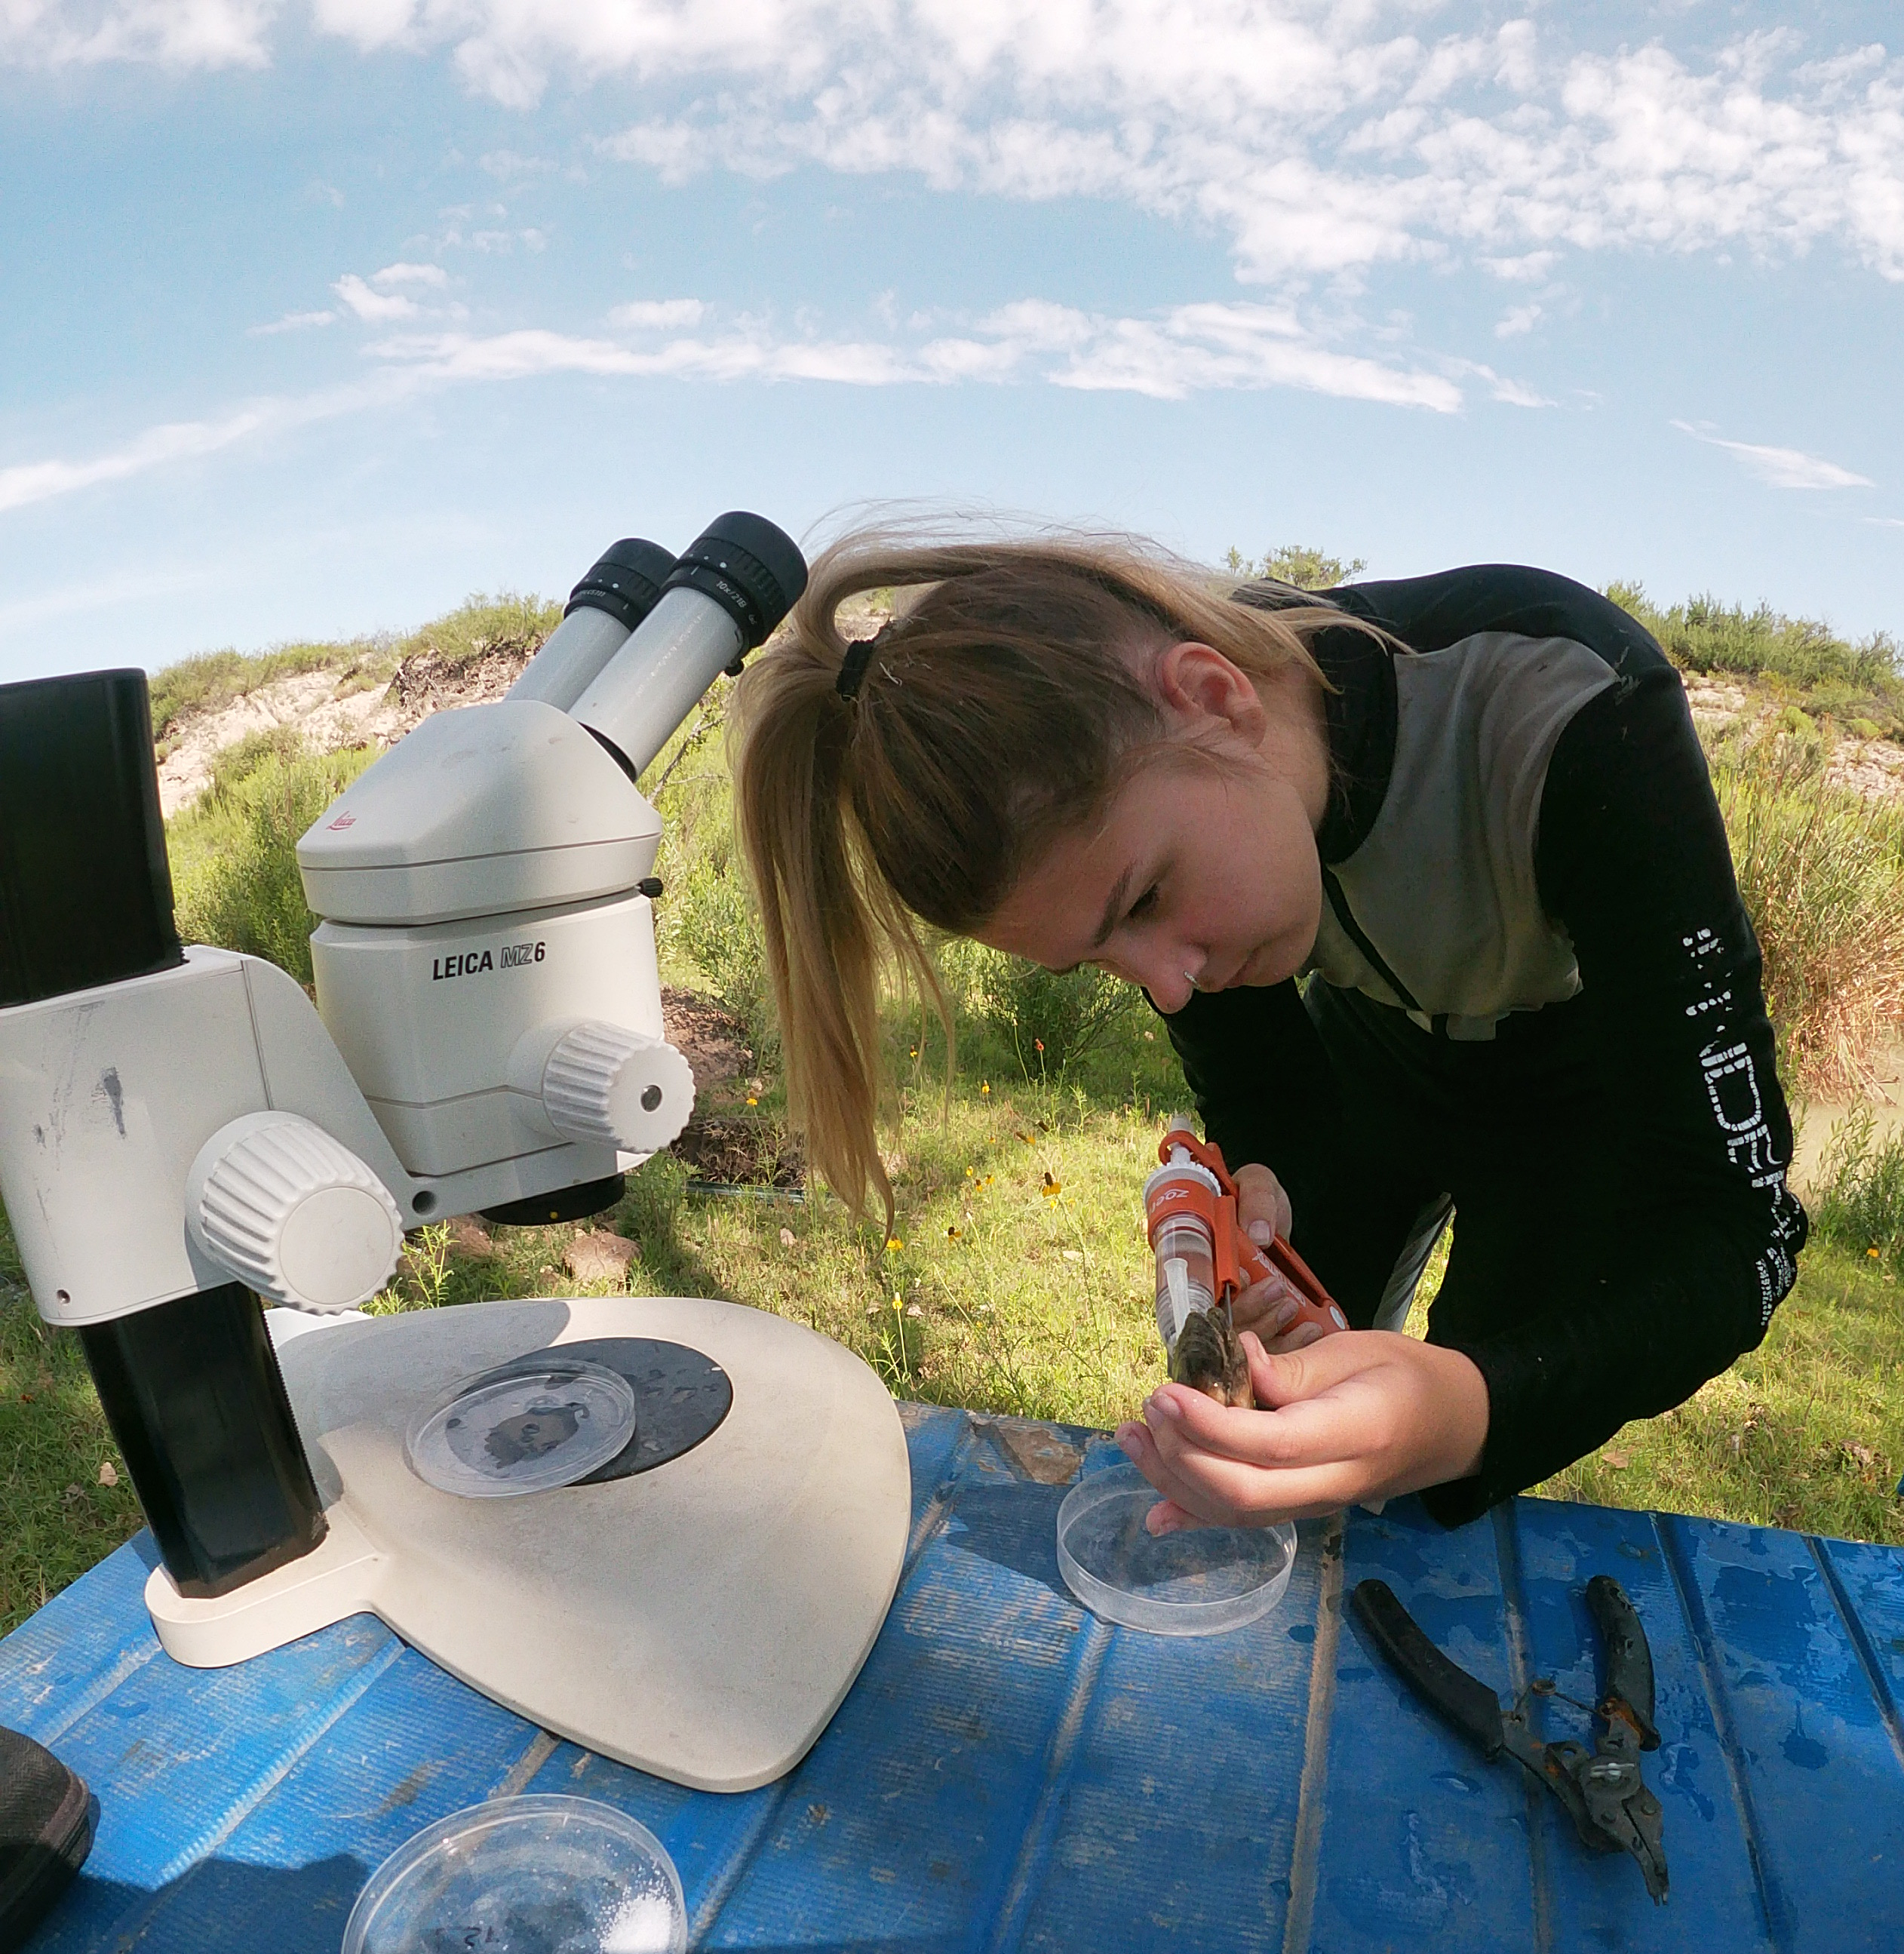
x=1009, y=698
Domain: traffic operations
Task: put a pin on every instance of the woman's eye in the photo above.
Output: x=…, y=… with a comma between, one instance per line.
x=1144, y=904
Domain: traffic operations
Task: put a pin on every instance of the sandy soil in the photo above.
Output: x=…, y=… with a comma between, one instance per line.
x=310, y=703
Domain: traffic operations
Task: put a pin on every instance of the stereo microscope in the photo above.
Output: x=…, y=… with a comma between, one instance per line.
x=183, y=1132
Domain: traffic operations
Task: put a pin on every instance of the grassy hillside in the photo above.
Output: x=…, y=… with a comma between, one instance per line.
x=1016, y=1278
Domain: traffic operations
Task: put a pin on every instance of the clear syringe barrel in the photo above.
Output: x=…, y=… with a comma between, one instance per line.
x=624, y=585
x=1187, y=1274
x=1177, y=1199
x=734, y=583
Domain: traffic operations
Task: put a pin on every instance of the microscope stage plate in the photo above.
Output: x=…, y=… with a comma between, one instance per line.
x=701, y=1619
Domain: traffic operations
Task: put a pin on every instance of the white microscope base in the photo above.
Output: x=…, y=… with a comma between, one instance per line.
x=701, y=1620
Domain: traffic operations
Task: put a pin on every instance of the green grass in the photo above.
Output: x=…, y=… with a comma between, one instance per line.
x=1820, y=868
x=234, y=865
x=56, y=1519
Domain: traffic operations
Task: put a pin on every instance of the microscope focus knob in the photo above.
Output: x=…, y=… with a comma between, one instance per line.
x=274, y=1200
x=616, y=1087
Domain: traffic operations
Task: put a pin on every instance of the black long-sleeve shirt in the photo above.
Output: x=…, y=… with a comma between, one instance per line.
x=1632, y=862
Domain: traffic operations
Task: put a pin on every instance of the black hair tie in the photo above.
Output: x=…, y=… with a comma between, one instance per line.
x=853, y=667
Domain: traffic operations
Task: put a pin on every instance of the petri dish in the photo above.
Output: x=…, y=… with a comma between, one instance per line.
x=1199, y=1583
x=538, y=1875
x=490, y=1437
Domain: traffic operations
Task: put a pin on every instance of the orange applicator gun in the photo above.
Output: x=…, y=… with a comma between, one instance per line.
x=1203, y=1259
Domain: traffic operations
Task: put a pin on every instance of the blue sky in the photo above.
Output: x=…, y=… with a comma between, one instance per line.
x=320, y=316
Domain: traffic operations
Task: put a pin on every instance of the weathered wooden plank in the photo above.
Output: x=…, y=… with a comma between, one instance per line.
x=179, y=1756
x=1173, y=1815
x=85, y=1641
x=906, y=1821
x=412, y=1747
x=1593, y=1902
x=1814, y=1759
x=1423, y=1845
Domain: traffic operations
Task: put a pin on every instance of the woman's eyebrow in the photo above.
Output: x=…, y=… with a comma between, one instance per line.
x=1113, y=908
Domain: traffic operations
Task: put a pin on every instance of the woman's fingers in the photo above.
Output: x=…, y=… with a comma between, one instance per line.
x=1261, y=1202
x=1268, y=1307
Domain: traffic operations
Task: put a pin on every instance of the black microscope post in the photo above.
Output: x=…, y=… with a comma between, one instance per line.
x=191, y=1388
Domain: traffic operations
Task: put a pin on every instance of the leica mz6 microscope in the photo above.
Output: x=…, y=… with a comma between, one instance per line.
x=181, y=1132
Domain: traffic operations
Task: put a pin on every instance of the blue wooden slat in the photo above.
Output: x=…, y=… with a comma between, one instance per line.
x=1174, y=1820
x=907, y=1819
x=1870, y=1582
x=87, y=1639
x=1424, y=1846
x=178, y=1755
x=1812, y=1752
x=1595, y=1901
x=411, y=1747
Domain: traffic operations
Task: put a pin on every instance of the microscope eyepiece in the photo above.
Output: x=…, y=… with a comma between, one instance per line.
x=750, y=568
x=627, y=581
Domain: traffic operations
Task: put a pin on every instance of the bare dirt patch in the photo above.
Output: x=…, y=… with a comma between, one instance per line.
x=738, y=1152
x=713, y=1041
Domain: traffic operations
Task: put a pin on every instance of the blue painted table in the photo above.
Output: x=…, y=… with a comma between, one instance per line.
x=1008, y=1772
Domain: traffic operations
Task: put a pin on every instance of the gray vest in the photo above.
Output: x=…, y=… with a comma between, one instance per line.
x=1443, y=888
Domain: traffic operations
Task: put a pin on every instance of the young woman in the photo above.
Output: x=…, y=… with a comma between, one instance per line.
x=1470, y=810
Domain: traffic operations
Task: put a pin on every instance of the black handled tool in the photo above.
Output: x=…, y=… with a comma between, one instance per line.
x=1602, y=1789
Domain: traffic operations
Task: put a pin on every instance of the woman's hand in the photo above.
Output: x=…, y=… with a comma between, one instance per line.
x=1269, y=1306
x=1363, y=1414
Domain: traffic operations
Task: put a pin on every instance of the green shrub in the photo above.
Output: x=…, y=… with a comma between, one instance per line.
x=1836, y=676
x=235, y=874
x=506, y=622
x=1821, y=870
x=1298, y=564
x=233, y=765
x=1859, y=1200
x=708, y=917
x=1049, y=1018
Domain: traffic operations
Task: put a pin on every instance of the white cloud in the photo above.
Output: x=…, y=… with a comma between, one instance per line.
x=1885, y=522
x=657, y=315
x=1321, y=138
x=1510, y=393
x=1184, y=350
x=378, y=308
x=1529, y=268
x=293, y=321
x=1782, y=467
x=27, y=482
x=174, y=33
x=409, y=274
x=1515, y=320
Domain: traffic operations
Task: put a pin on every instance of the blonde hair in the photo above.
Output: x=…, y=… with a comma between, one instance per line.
x=1011, y=696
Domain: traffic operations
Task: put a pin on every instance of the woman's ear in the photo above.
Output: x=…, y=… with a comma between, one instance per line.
x=1200, y=684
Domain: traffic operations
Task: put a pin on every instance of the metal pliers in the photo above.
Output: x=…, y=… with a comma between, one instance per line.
x=1602, y=1789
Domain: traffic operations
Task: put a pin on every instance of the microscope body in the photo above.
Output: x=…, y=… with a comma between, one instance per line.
x=182, y=1131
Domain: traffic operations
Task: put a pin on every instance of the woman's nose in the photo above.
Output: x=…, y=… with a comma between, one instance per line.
x=1169, y=976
